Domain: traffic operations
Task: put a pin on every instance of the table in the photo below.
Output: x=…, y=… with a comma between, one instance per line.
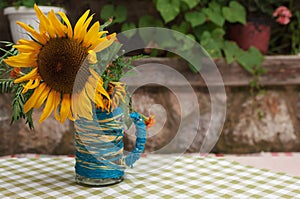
x=154, y=176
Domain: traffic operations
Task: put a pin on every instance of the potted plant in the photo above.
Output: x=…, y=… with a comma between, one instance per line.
x=22, y=10
x=206, y=22
x=256, y=32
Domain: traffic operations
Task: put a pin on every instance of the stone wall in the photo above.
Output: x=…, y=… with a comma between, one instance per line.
x=50, y=137
x=266, y=122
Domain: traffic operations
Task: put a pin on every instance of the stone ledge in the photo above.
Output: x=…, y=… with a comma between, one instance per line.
x=281, y=70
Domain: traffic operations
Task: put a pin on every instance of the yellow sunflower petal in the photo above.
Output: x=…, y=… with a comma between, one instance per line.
x=92, y=57
x=74, y=104
x=22, y=60
x=97, y=84
x=59, y=27
x=90, y=90
x=56, y=115
x=91, y=35
x=45, y=24
x=92, y=40
x=66, y=20
x=86, y=106
x=42, y=38
x=101, y=90
x=31, y=75
x=101, y=33
x=25, y=48
x=105, y=43
x=23, y=56
x=25, y=41
x=38, y=12
x=83, y=29
x=71, y=117
x=30, y=103
x=93, y=96
x=31, y=84
x=65, y=107
x=57, y=98
x=79, y=24
x=79, y=108
x=96, y=76
x=49, y=106
x=98, y=99
x=57, y=102
x=47, y=27
x=83, y=106
x=30, y=43
x=93, y=81
x=25, y=87
x=43, y=96
x=97, y=41
x=35, y=84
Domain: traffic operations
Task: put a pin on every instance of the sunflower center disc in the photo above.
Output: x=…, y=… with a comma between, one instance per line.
x=59, y=61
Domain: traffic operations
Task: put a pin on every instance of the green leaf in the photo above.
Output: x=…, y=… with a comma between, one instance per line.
x=6, y=85
x=126, y=110
x=147, y=20
x=211, y=45
x=120, y=14
x=28, y=3
x=235, y=12
x=106, y=56
x=18, y=105
x=231, y=49
x=214, y=13
x=218, y=33
x=106, y=24
x=168, y=9
x=107, y=11
x=128, y=26
x=250, y=59
x=191, y=3
x=183, y=27
x=29, y=120
x=3, y=4
x=195, y=18
x=163, y=40
x=188, y=44
x=195, y=69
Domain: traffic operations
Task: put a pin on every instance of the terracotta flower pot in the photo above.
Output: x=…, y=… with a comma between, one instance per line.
x=255, y=33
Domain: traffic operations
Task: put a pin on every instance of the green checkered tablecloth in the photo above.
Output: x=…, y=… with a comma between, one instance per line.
x=154, y=176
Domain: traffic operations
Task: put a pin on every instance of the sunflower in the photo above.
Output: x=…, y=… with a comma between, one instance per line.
x=53, y=58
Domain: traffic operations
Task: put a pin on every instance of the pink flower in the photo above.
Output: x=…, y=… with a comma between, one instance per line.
x=283, y=14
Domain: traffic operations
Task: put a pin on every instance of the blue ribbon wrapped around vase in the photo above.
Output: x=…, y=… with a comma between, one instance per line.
x=99, y=147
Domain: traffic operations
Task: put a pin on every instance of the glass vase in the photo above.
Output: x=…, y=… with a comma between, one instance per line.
x=99, y=147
